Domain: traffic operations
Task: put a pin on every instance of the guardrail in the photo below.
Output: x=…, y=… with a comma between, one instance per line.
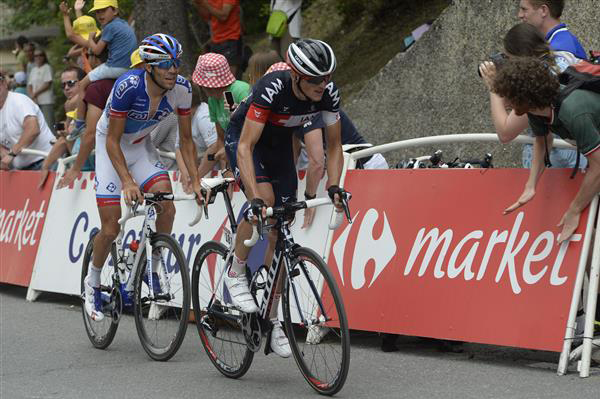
x=29, y=151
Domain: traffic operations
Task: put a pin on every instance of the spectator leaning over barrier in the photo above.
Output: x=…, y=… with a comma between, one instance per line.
x=545, y=15
x=214, y=76
x=69, y=81
x=225, y=30
x=39, y=86
x=20, y=83
x=120, y=40
x=22, y=125
x=531, y=88
x=524, y=40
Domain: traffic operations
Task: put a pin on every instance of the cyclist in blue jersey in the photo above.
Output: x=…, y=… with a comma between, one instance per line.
x=258, y=144
x=125, y=157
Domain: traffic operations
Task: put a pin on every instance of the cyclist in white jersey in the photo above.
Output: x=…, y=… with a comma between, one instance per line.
x=125, y=157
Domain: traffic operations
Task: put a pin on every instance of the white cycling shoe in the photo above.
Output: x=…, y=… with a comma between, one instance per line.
x=240, y=293
x=316, y=334
x=93, y=301
x=279, y=342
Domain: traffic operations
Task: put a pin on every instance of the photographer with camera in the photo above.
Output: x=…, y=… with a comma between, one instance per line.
x=524, y=40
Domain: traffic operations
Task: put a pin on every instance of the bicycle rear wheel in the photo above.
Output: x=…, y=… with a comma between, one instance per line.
x=161, y=317
x=321, y=346
x=102, y=333
x=219, y=331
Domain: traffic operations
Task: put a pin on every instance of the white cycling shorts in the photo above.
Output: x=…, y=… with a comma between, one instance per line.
x=143, y=163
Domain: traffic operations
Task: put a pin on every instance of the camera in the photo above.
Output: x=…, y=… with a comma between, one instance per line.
x=498, y=59
x=59, y=127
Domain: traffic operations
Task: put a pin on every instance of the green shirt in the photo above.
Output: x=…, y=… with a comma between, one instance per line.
x=216, y=109
x=578, y=119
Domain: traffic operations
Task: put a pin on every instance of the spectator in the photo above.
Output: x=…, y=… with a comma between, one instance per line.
x=524, y=40
x=225, y=30
x=19, y=52
x=22, y=126
x=204, y=135
x=213, y=75
x=545, y=15
x=29, y=49
x=120, y=40
x=292, y=10
x=79, y=33
x=578, y=119
x=69, y=81
x=20, y=83
x=94, y=101
x=39, y=86
x=259, y=64
x=164, y=138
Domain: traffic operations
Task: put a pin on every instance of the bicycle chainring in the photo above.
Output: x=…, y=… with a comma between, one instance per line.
x=252, y=332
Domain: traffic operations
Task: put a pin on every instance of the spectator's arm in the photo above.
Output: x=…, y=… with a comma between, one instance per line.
x=205, y=164
x=97, y=48
x=220, y=13
x=45, y=86
x=79, y=4
x=71, y=104
x=31, y=129
x=313, y=142
x=508, y=125
x=71, y=35
x=188, y=150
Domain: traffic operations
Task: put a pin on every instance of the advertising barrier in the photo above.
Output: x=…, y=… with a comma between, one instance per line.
x=431, y=254
x=23, y=213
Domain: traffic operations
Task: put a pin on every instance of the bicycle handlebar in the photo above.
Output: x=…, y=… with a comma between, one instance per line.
x=132, y=211
x=296, y=206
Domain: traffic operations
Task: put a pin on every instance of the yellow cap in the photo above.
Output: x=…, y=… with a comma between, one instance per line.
x=72, y=114
x=135, y=58
x=85, y=25
x=102, y=4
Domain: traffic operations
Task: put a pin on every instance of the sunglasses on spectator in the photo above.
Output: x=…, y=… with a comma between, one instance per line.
x=317, y=80
x=69, y=83
x=166, y=64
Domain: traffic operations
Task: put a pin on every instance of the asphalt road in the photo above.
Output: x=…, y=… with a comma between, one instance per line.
x=45, y=353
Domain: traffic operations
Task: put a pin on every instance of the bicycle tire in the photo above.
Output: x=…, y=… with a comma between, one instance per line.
x=100, y=334
x=170, y=308
x=216, y=341
x=311, y=355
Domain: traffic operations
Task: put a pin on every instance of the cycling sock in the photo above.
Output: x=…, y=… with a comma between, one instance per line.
x=238, y=266
x=94, y=276
x=275, y=307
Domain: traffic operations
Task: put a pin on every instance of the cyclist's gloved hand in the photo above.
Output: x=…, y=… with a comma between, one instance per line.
x=256, y=207
x=336, y=199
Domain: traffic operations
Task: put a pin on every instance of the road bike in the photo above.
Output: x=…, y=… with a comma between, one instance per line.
x=156, y=288
x=313, y=311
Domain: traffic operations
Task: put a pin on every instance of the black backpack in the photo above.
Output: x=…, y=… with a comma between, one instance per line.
x=584, y=75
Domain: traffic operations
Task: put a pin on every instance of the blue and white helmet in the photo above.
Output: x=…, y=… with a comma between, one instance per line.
x=159, y=47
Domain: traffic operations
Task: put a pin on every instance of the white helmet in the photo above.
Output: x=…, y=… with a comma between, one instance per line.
x=310, y=57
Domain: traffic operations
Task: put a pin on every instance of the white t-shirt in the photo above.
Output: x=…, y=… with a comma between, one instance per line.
x=16, y=108
x=288, y=7
x=204, y=132
x=37, y=77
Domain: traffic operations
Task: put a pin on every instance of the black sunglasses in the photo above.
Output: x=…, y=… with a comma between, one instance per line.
x=317, y=80
x=69, y=83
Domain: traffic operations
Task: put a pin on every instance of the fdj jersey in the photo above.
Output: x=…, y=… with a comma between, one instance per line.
x=273, y=103
x=129, y=100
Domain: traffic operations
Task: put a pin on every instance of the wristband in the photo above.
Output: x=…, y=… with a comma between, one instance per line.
x=309, y=197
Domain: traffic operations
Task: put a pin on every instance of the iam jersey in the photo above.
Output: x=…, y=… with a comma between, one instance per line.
x=273, y=103
x=129, y=99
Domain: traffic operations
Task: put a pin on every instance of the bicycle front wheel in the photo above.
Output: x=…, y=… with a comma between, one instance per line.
x=219, y=330
x=102, y=333
x=315, y=322
x=162, y=313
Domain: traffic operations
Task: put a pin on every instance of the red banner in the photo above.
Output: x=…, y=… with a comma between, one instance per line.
x=430, y=254
x=23, y=208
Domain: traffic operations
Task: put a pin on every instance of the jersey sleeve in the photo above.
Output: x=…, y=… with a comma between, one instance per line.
x=108, y=33
x=330, y=104
x=123, y=95
x=264, y=95
x=586, y=133
x=315, y=123
x=26, y=108
x=184, y=96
